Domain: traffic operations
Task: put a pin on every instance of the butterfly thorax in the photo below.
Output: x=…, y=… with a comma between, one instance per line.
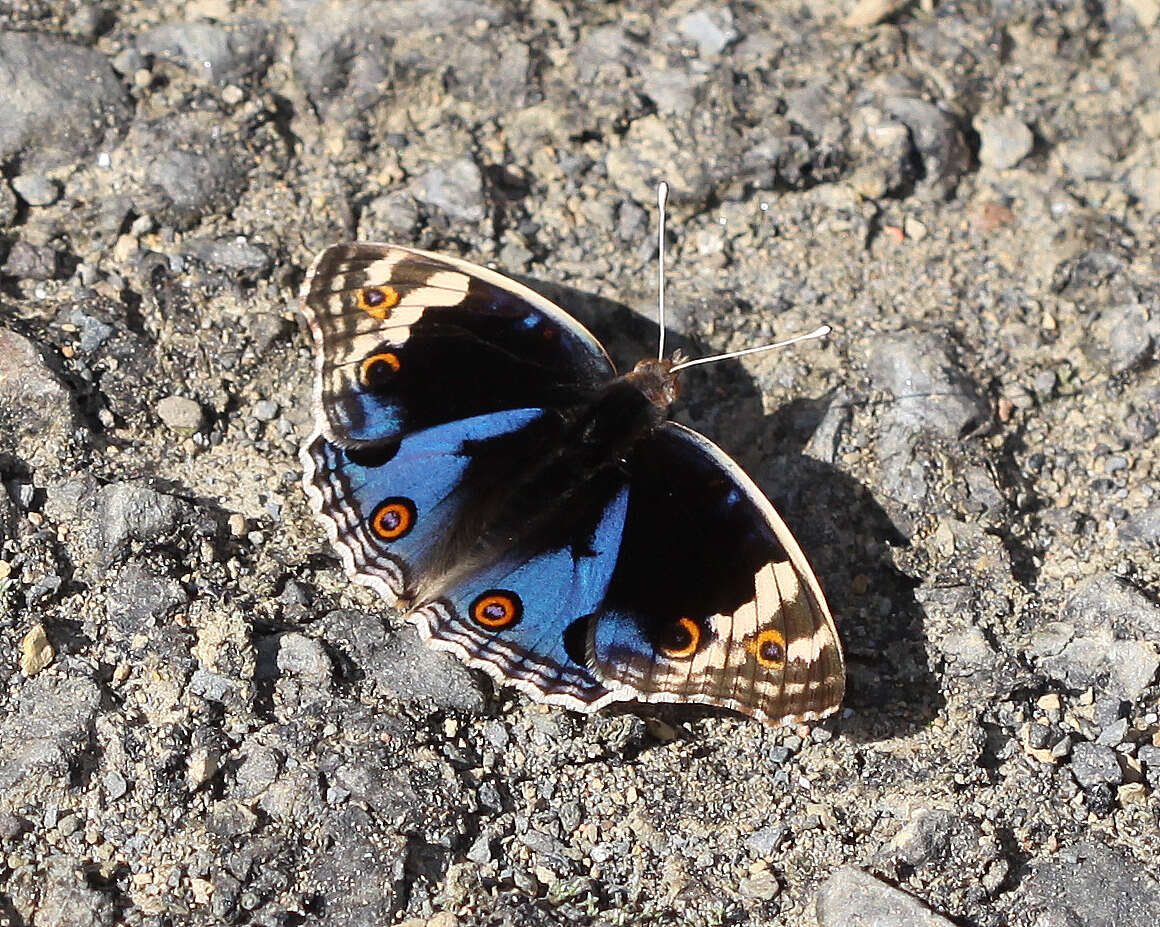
x=656, y=379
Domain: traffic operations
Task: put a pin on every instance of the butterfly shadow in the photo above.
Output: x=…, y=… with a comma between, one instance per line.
x=846, y=535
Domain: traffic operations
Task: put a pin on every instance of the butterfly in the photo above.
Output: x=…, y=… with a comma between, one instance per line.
x=480, y=464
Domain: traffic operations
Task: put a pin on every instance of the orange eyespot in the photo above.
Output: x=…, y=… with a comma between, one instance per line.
x=376, y=369
x=682, y=639
x=768, y=648
x=497, y=608
x=377, y=301
x=393, y=518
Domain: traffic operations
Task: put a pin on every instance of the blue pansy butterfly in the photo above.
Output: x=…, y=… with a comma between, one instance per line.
x=480, y=464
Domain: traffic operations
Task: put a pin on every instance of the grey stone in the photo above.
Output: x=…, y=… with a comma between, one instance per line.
x=761, y=885
x=931, y=391
x=936, y=139
x=488, y=74
x=548, y=848
x=1097, y=887
x=138, y=598
x=650, y=148
x=339, y=54
x=480, y=851
x=259, y=768
x=38, y=422
x=299, y=655
x=220, y=52
x=93, y=332
x=1143, y=181
x=188, y=170
x=1085, y=161
x=265, y=410
x=8, y=205
x=229, y=253
x=68, y=900
x=48, y=727
x=264, y=329
x=967, y=651
x=128, y=61
x=61, y=99
x=926, y=838
x=1098, y=660
x=1004, y=141
x=672, y=90
x=1113, y=735
x=27, y=261
x=11, y=826
x=213, y=687
x=1114, y=631
x=115, y=785
x=387, y=791
x=1093, y=764
x=122, y=513
x=1121, y=337
x=360, y=877
x=455, y=188
x=1107, y=710
x=710, y=28
x=390, y=216
x=1149, y=755
x=181, y=414
x=1041, y=736
x=36, y=189
x=1105, y=601
x=851, y=897
x=399, y=665
x=295, y=796
x=763, y=842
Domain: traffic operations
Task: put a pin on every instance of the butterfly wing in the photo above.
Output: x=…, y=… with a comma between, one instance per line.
x=417, y=358
x=523, y=617
x=506, y=553
x=405, y=340
x=712, y=600
x=388, y=508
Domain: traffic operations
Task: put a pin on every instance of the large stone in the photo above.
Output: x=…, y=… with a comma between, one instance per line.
x=60, y=100
x=37, y=417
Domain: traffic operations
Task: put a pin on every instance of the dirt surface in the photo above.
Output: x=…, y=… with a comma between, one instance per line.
x=202, y=721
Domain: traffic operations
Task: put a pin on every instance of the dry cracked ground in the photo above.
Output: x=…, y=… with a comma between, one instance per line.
x=203, y=722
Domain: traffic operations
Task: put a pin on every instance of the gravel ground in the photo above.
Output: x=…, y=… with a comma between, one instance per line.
x=203, y=722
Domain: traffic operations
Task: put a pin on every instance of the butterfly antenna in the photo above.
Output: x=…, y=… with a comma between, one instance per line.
x=820, y=332
x=662, y=201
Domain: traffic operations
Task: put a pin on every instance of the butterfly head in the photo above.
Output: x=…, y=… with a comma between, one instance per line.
x=657, y=380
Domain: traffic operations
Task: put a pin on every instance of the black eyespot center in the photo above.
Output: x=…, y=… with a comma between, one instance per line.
x=768, y=649
x=681, y=638
x=378, y=370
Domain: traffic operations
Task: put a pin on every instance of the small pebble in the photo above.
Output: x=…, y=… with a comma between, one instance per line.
x=237, y=525
x=181, y=414
x=202, y=764
x=1004, y=141
x=35, y=651
x=265, y=410
x=35, y=189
